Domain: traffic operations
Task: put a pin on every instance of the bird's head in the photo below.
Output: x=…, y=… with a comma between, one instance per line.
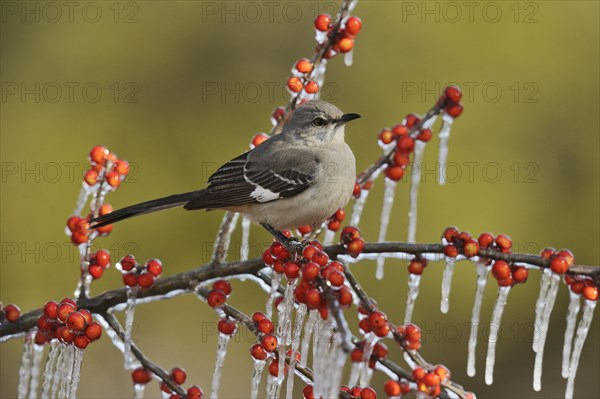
x=318, y=122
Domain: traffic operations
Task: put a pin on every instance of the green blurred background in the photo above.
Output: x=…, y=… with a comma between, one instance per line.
x=177, y=87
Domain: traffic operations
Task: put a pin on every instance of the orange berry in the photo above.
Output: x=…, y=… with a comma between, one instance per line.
x=303, y=65
x=345, y=44
x=294, y=84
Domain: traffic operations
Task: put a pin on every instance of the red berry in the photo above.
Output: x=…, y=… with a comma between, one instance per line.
x=451, y=251
x=406, y=144
x=90, y=177
x=336, y=278
x=386, y=136
x=350, y=233
x=345, y=298
x=450, y=233
x=394, y=172
x=356, y=191
x=127, y=263
x=454, y=110
x=303, y=65
x=453, y=93
x=75, y=321
x=355, y=247
x=130, y=279
x=274, y=368
x=178, y=375
x=418, y=373
x=442, y=371
x=520, y=274
x=382, y=331
x=485, y=240
x=501, y=270
x=154, y=267
x=307, y=392
x=470, y=249
x=353, y=25
x=258, y=352
x=98, y=154
x=258, y=316
x=226, y=327
x=313, y=298
x=310, y=271
x=93, y=331
x=122, y=167
x=355, y=391
x=216, y=298
x=568, y=255
x=267, y=257
x=416, y=266
x=431, y=379
x=311, y=87
x=368, y=393
x=269, y=343
x=102, y=258
x=81, y=341
x=146, y=280
x=400, y=130
x=504, y=241
x=590, y=293
x=506, y=282
x=424, y=135
x=559, y=264
x=548, y=253
x=322, y=22
x=334, y=225
x=194, y=392
x=64, y=310
x=345, y=44
x=392, y=388
x=50, y=310
x=12, y=313
x=222, y=285
x=377, y=319
x=265, y=326
x=113, y=179
x=320, y=258
x=291, y=270
x=294, y=84
x=258, y=139
x=141, y=376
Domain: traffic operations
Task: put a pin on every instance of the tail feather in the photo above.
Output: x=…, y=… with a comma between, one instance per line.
x=159, y=204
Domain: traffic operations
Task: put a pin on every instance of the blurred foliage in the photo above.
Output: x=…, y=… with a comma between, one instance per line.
x=184, y=85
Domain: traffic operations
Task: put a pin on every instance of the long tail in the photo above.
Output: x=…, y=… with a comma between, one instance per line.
x=159, y=204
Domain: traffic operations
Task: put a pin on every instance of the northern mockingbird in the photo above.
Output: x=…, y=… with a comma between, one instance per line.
x=299, y=177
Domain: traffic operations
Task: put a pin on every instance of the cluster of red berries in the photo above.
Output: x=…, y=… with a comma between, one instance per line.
x=429, y=382
x=358, y=188
x=375, y=322
x=560, y=261
x=268, y=342
x=221, y=290
x=344, y=39
x=78, y=227
x=355, y=392
x=335, y=221
x=411, y=335
x=395, y=388
x=9, y=313
x=68, y=324
x=99, y=262
x=299, y=80
x=352, y=241
x=380, y=351
x=142, y=376
x=136, y=275
x=404, y=138
x=312, y=266
x=451, y=101
x=417, y=265
x=582, y=286
x=274, y=365
x=105, y=167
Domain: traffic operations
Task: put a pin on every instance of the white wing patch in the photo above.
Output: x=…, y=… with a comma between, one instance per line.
x=262, y=194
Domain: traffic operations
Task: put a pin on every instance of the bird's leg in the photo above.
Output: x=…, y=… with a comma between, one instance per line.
x=292, y=244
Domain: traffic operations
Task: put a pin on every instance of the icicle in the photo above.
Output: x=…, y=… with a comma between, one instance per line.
x=308, y=332
x=321, y=369
x=574, y=305
x=352, y=5
x=245, y=248
x=354, y=374
x=284, y=327
x=493, y=338
x=482, y=274
x=446, y=285
x=74, y=380
x=221, y=353
x=329, y=237
x=358, y=207
x=59, y=371
x=257, y=371
x=130, y=362
x=300, y=313
x=337, y=370
x=582, y=331
x=320, y=36
x=223, y=239
x=415, y=180
x=348, y=58
x=414, y=281
x=67, y=366
x=275, y=280
x=84, y=193
x=51, y=363
x=138, y=391
x=38, y=351
x=540, y=305
x=539, y=356
x=444, y=136
x=25, y=369
x=386, y=210
x=366, y=372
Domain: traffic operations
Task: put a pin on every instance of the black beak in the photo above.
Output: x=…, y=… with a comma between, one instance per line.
x=347, y=118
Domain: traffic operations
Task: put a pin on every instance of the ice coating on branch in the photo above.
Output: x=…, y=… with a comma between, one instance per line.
x=415, y=181
x=493, y=338
x=327, y=345
x=337, y=368
x=539, y=356
x=444, y=136
x=275, y=281
x=49, y=371
x=386, y=211
x=582, y=331
x=138, y=391
x=221, y=353
x=446, y=285
x=75, y=375
x=329, y=237
x=574, y=305
x=348, y=58
x=354, y=373
x=365, y=371
x=82, y=198
x=414, y=282
x=284, y=327
x=245, y=248
x=300, y=313
x=25, y=369
x=257, y=371
x=358, y=207
x=308, y=332
x=38, y=351
x=482, y=274
x=67, y=371
x=540, y=305
x=129, y=361
x=272, y=387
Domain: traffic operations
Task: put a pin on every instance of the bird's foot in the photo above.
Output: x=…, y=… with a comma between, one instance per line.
x=294, y=245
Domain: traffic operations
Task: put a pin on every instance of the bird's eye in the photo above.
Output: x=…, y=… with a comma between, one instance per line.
x=319, y=121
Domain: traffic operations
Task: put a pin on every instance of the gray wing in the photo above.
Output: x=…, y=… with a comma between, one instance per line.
x=271, y=171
